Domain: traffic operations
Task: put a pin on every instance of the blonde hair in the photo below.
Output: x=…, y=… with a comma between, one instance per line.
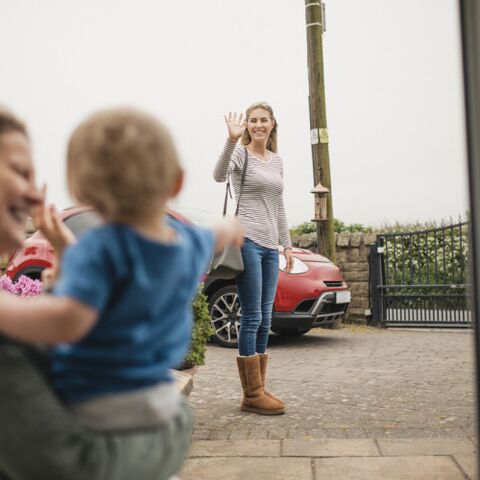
x=272, y=139
x=123, y=163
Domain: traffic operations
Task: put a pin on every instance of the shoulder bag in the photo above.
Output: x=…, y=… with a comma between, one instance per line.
x=228, y=263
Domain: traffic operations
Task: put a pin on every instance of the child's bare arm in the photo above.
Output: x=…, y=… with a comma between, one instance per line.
x=227, y=232
x=46, y=319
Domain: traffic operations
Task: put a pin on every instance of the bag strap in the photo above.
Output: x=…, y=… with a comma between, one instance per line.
x=228, y=190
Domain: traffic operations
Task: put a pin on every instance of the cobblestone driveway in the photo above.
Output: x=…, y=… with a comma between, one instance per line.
x=356, y=382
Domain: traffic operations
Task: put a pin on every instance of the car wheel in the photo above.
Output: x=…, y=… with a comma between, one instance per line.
x=292, y=333
x=33, y=273
x=224, y=307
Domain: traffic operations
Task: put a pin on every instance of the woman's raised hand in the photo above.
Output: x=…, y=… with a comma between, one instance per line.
x=235, y=124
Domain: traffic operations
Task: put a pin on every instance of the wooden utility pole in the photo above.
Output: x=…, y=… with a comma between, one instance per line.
x=314, y=15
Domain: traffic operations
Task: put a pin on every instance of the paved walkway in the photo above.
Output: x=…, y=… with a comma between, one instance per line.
x=362, y=404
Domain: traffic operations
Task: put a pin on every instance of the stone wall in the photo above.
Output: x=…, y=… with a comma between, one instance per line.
x=352, y=250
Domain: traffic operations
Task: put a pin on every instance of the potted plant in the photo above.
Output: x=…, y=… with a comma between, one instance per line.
x=202, y=331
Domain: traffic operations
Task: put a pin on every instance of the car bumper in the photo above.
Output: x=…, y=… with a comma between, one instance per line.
x=323, y=312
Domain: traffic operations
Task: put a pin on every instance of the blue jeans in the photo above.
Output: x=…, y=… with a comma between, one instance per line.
x=256, y=285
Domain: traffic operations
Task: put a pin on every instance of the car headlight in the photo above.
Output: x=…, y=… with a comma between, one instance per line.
x=298, y=265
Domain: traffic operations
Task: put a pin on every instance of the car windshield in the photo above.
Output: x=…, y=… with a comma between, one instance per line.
x=83, y=221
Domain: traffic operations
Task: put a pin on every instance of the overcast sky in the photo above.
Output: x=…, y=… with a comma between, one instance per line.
x=393, y=79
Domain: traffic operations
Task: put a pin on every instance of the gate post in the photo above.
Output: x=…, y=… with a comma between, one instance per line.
x=376, y=280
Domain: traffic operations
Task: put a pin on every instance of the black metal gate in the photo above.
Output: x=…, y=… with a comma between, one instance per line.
x=420, y=278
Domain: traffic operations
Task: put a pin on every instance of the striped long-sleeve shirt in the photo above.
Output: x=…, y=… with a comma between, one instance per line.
x=262, y=211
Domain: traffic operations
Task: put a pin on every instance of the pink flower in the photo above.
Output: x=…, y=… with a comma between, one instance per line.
x=24, y=287
x=6, y=284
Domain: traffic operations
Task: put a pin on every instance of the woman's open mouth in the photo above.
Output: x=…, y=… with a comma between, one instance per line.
x=18, y=214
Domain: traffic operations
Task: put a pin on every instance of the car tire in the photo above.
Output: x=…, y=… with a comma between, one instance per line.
x=292, y=332
x=34, y=273
x=224, y=309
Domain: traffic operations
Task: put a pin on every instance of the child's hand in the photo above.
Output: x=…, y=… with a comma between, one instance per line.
x=48, y=222
x=228, y=232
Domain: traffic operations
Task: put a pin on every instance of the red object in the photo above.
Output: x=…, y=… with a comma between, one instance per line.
x=36, y=252
x=295, y=288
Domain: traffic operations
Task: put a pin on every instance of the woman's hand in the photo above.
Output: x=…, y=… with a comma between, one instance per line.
x=236, y=126
x=289, y=259
x=49, y=223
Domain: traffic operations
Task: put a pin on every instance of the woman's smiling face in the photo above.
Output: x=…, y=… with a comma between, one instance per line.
x=259, y=124
x=17, y=188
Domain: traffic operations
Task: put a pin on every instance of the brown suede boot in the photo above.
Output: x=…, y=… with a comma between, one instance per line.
x=254, y=398
x=263, y=359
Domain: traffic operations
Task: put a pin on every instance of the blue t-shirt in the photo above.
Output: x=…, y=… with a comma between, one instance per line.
x=142, y=290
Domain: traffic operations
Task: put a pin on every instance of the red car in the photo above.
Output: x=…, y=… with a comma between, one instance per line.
x=313, y=295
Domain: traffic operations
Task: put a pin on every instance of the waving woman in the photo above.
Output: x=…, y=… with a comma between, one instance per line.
x=262, y=215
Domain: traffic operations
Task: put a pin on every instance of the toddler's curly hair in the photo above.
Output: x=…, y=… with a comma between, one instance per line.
x=123, y=163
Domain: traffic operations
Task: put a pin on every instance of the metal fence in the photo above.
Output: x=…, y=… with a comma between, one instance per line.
x=420, y=278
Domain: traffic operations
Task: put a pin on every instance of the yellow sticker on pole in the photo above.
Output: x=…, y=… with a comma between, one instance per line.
x=323, y=135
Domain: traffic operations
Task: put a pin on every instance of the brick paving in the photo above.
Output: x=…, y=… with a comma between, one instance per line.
x=352, y=383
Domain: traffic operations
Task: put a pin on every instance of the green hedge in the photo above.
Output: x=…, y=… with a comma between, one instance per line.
x=338, y=225
x=202, y=331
